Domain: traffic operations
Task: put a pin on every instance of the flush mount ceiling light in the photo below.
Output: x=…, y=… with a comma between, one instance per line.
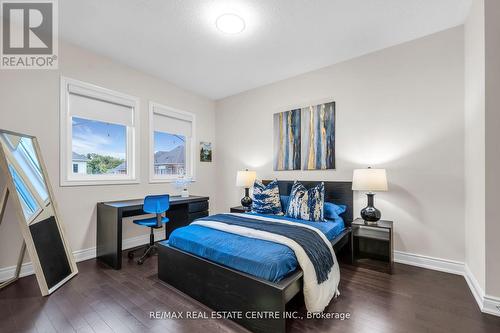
x=230, y=23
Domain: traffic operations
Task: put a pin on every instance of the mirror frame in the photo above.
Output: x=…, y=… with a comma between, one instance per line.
x=30, y=246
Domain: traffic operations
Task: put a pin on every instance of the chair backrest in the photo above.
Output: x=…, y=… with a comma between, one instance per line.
x=156, y=204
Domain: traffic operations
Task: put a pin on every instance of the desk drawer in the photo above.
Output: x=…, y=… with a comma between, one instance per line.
x=198, y=206
x=197, y=215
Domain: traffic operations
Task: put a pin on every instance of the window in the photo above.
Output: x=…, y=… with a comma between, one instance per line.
x=172, y=138
x=106, y=154
x=169, y=154
x=99, y=130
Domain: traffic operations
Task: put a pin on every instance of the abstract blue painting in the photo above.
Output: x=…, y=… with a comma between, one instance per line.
x=287, y=144
x=318, y=144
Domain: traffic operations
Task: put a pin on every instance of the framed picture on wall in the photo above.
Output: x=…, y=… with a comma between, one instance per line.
x=287, y=138
x=318, y=144
x=205, y=151
x=305, y=138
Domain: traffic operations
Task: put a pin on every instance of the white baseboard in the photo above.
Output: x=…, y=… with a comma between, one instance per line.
x=474, y=287
x=8, y=272
x=437, y=264
x=487, y=304
x=491, y=305
x=80, y=255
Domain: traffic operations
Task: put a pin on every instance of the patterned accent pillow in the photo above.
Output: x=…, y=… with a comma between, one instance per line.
x=266, y=199
x=306, y=204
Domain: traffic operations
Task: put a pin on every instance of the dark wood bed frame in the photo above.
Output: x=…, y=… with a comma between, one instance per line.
x=225, y=289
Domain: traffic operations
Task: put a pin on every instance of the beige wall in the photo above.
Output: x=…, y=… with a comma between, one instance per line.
x=400, y=109
x=474, y=143
x=492, y=93
x=30, y=104
x=482, y=151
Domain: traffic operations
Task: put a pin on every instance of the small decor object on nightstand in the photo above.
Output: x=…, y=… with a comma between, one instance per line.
x=245, y=179
x=370, y=180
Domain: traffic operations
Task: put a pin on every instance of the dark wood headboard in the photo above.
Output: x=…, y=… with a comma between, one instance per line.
x=336, y=192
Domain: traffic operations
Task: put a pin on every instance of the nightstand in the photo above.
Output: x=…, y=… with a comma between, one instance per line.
x=372, y=245
x=239, y=209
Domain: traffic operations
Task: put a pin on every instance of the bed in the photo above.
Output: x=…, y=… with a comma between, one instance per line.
x=227, y=276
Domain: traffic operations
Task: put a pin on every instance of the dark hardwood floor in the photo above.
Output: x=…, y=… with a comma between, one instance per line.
x=100, y=299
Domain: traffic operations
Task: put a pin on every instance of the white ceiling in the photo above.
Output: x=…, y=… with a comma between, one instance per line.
x=177, y=39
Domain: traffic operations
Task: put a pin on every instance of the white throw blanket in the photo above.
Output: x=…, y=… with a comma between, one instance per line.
x=316, y=296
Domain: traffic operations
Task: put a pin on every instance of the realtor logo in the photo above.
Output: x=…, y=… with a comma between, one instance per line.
x=29, y=34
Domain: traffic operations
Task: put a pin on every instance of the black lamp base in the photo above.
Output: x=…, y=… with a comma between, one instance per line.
x=246, y=201
x=370, y=214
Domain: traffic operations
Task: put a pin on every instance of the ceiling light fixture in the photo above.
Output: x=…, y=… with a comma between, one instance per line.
x=230, y=23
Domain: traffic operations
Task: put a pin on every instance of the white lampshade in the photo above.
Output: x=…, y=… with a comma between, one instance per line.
x=245, y=178
x=370, y=180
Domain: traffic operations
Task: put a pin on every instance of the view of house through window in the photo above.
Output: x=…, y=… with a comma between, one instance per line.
x=169, y=154
x=98, y=148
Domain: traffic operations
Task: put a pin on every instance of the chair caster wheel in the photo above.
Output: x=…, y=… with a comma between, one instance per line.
x=131, y=255
x=140, y=262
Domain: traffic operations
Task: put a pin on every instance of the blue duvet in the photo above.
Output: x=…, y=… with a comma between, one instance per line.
x=260, y=258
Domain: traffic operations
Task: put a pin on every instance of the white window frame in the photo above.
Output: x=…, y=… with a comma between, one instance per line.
x=160, y=109
x=67, y=178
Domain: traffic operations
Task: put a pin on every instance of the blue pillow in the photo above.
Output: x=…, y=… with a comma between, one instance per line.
x=332, y=211
x=306, y=204
x=284, y=199
x=266, y=199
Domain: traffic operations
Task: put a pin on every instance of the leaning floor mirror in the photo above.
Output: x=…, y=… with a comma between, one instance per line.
x=26, y=183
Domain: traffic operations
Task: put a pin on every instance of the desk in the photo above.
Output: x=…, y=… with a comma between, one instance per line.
x=109, y=222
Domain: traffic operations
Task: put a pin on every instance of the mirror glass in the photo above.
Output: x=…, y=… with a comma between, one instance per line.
x=25, y=169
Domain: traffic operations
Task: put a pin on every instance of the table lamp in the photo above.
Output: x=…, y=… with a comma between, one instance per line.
x=369, y=180
x=245, y=179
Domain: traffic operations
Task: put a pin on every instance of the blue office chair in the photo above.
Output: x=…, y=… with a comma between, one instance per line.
x=153, y=204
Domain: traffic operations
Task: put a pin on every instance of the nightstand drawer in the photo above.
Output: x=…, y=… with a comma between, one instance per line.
x=239, y=209
x=198, y=206
x=372, y=233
